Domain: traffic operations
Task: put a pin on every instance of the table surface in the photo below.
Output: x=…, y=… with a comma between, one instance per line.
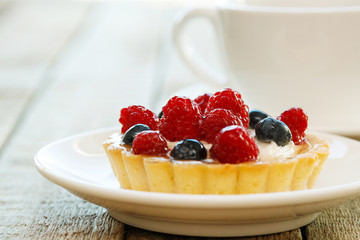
x=68, y=67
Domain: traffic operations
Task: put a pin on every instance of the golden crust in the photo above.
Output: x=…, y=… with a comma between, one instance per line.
x=158, y=174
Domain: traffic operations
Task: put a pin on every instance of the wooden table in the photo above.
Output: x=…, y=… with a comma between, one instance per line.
x=67, y=67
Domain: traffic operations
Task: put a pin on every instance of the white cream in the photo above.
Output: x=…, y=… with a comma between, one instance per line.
x=270, y=152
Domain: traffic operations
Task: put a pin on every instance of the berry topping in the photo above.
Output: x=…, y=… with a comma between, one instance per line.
x=255, y=117
x=181, y=119
x=233, y=144
x=150, y=143
x=131, y=133
x=297, y=121
x=189, y=149
x=202, y=101
x=137, y=114
x=270, y=129
x=215, y=120
x=231, y=100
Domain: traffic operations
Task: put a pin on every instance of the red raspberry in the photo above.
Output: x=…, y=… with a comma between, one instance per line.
x=234, y=144
x=202, y=101
x=136, y=114
x=231, y=100
x=150, y=143
x=216, y=120
x=297, y=121
x=180, y=120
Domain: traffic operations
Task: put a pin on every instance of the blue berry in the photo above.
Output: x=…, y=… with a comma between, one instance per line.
x=270, y=129
x=131, y=133
x=189, y=149
x=255, y=117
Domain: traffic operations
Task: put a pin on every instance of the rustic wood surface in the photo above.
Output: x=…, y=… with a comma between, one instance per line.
x=67, y=67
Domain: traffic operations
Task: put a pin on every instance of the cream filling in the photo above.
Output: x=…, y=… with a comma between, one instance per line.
x=268, y=152
x=271, y=152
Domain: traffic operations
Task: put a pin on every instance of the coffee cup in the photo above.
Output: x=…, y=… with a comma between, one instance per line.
x=285, y=56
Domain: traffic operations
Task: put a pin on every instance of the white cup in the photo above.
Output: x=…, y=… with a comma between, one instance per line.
x=280, y=57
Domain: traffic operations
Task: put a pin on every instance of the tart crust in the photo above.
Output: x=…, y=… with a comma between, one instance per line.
x=162, y=174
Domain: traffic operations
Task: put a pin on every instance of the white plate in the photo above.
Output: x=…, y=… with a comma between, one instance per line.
x=79, y=164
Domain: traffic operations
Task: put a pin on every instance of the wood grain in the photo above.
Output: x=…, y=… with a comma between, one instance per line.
x=133, y=233
x=342, y=222
x=33, y=208
x=92, y=79
x=27, y=49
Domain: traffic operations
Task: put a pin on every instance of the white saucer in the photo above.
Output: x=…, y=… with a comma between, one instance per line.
x=79, y=164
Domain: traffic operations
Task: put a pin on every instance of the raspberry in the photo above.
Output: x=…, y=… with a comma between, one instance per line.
x=231, y=100
x=297, y=121
x=202, y=101
x=233, y=144
x=180, y=120
x=150, y=143
x=216, y=120
x=136, y=114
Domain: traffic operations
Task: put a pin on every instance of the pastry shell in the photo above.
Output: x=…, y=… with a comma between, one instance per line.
x=163, y=174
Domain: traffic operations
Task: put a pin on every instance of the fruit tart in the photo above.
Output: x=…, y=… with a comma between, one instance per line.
x=214, y=145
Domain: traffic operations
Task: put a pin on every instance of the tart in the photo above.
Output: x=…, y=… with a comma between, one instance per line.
x=259, y=161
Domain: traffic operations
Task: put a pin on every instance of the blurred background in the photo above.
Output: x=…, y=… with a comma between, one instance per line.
x=70, y=66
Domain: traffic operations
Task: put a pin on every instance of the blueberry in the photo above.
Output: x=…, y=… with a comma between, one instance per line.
x=131, y=133
x=270, y=129
x=255, y=117
x=189, y=149
x=160, y=114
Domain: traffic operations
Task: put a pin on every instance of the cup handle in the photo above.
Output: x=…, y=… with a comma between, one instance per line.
x=188, y=53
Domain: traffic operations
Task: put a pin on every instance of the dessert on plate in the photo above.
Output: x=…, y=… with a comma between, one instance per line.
x=214, y=145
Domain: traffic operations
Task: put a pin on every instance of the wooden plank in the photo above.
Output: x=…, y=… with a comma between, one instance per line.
x=34, y=208
x=342, y=222
x=133, y=233
x=94, y=78
x=31, y=35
